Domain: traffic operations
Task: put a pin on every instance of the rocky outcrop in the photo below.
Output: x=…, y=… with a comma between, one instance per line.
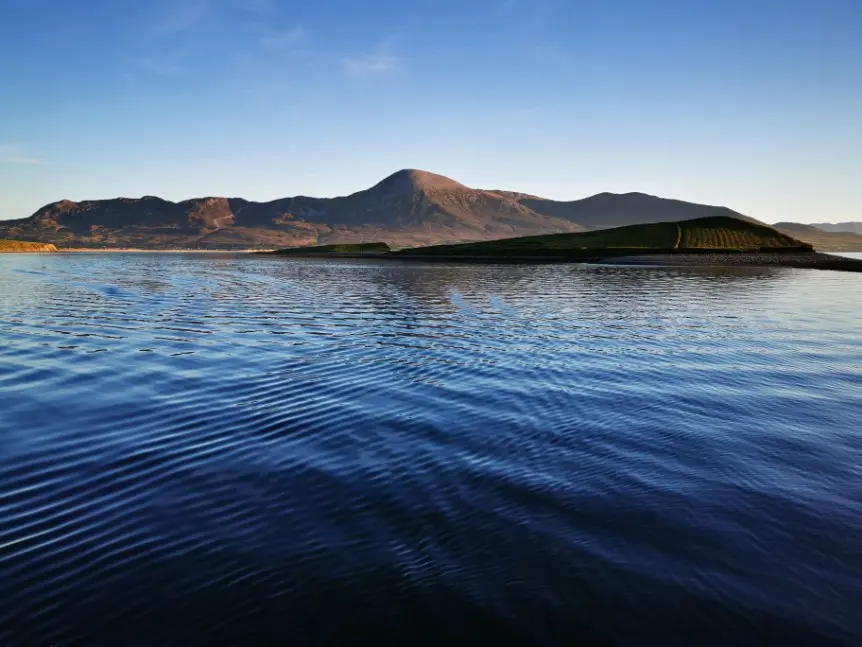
x=24, y=246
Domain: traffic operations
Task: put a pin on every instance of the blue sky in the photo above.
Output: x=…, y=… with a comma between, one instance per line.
x=753, y=104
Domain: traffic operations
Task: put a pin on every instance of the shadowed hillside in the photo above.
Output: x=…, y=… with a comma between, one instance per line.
x=717, y=233
x=616, y=210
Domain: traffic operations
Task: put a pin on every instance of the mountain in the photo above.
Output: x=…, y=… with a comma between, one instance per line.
x=410, y=207
x=851, y=227
x=607, y=210
x=826, y=241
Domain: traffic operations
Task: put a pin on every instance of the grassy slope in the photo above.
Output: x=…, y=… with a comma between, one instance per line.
x=23, y=246
x=356, y=248
x=718, y=233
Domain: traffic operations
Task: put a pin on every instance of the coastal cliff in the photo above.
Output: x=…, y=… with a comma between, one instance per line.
x=25, y=246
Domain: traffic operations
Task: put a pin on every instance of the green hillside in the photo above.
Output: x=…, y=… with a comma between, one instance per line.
x=721, y=233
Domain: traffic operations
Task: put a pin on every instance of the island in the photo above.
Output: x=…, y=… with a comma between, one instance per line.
x=346, y=249
x=25, y=246
x=714, y=240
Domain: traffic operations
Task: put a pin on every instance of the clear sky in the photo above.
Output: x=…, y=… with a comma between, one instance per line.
x=753, y=104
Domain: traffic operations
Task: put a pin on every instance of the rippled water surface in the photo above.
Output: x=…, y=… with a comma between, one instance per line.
x=232, y=449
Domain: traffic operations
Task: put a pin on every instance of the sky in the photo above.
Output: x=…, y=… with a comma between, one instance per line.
x=755, y=105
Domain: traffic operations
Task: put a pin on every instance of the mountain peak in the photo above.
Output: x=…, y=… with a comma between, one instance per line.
x=410, y=179
x=610, y=195
x=410, y=207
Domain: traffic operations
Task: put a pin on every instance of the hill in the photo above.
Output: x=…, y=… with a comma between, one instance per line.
x=410, y=207
x=849, y=227
x=719, y=233
x=827, y=241
x=24, y=246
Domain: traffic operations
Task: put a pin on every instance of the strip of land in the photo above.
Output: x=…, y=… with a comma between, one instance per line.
x=342, y=250
x=810, y=260
x=721, y=240
x=713, y=241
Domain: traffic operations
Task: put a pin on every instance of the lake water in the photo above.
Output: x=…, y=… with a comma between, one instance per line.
x=244, y=450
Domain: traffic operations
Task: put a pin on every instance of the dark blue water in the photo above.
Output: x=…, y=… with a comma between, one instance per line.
x=217, y=449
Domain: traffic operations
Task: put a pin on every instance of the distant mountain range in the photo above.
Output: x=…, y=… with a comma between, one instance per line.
x=410, y=207
x=825, y=241
x=852, y=227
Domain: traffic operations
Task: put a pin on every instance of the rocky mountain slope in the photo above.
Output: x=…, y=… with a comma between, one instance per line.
x=409, y=207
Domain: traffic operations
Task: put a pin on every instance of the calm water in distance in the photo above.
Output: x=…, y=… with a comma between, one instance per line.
x=205, y=449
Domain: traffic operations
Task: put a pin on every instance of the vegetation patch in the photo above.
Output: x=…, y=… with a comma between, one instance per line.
x=722, y=233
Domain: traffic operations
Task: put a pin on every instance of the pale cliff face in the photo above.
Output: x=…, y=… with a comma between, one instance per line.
x=25, y=246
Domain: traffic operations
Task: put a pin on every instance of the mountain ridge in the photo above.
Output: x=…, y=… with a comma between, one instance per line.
x=852, y=226
x=408, y=207
x=833, y=241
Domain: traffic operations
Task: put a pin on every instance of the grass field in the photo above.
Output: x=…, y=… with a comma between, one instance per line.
x=23, y=246
x=356, y=248
x=719, y=233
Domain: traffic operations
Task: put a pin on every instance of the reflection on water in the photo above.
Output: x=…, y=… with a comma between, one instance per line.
x=242, y=449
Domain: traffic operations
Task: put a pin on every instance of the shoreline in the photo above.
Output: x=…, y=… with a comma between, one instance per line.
x=813, y=260
x=798, y=260
x=136, y=250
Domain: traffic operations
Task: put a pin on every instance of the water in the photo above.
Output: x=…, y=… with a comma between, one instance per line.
x=243, y=450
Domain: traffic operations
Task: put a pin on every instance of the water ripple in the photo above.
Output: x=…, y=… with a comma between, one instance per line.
x=230, y=449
